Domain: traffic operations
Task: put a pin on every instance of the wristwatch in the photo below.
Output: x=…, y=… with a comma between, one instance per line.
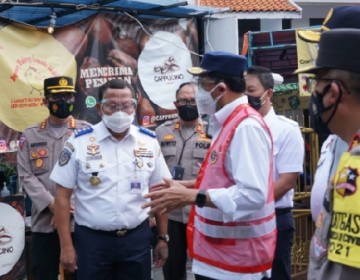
x=165, y=237
x=200, y=198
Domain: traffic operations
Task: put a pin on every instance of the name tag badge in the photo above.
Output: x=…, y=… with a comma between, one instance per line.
x=135, y=187
x=178, y=172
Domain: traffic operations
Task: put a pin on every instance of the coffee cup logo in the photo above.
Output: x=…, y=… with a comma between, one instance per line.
x=12, y=237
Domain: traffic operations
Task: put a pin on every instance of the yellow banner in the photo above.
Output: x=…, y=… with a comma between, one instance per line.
x=307, y=54
x=27, y=57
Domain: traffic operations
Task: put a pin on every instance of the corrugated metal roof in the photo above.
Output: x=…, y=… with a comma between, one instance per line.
x=69, y=12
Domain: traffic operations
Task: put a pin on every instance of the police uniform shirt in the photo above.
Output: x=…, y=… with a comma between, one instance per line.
x=39, y=149
x=189, y=143
x=288, y=148
x=110, y=177
x=247, y=162
x=332, y=143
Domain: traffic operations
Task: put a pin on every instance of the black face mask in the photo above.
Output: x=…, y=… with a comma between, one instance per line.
x=255, y=102
x=61, y=109
x=316, y=108
x=188, y=113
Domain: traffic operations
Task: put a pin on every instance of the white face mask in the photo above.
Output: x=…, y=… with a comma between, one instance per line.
x=119, y=121
x=205, y=102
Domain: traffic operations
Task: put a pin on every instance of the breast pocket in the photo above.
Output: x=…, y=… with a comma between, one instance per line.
x=169, y=154
x=39, y=161
x=95, y=173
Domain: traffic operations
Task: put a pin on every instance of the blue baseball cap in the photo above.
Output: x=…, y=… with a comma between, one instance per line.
x=221, y=62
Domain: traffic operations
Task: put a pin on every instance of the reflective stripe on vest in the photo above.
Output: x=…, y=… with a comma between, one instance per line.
x=247, y=245
x=344, y=245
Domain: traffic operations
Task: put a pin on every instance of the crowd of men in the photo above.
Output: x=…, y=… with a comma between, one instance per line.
x=222, y=195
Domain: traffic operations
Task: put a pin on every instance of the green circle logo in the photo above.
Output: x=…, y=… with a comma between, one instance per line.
x=90, y=101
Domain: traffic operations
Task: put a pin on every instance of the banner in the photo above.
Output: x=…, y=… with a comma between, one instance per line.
x=12, y=237
x=152, y=56
x=307, y=53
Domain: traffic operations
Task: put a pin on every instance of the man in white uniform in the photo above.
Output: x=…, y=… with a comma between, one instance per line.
x=232, y=230
x=110, y=167
x=288, y=163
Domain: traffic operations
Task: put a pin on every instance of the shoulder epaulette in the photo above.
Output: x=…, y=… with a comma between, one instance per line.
x=83, y=131
x=147, y=131
x=288, y=120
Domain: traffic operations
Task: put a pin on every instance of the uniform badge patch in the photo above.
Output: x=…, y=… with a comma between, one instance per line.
x=93, y=149
x=34, y=154
x=168, y=137
x=346, y=184
x=39, y=163
x=42, y=152
x=22, y=142
x=64, y=157
x=213, y=157
x=319, y=249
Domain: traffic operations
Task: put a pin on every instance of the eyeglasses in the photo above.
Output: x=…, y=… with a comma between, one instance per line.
x=311, y=83
x=183, y=102
x=61, y=96
x=202, y=81
x=125, y=106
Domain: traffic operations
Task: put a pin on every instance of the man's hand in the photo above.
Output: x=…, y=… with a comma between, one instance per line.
x=167, y=199
x=68, y=259
x=161, y=253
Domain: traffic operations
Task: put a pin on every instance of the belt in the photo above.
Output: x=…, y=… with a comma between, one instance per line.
x=282, y=211
x=118, y=232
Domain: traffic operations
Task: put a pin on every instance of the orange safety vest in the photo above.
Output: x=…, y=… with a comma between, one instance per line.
x=242, y=246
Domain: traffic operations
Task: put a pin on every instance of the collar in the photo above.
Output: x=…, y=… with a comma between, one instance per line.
x=221, y=115
x=198, y=127
x=271, y=115
x=71, y=123
x=102, y=132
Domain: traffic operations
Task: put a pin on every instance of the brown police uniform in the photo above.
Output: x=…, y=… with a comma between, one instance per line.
x=39, y=149
x=185, y=147
x=327, y=226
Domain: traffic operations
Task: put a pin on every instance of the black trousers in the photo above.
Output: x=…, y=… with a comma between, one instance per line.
x=104, y=255
x=45, y=256
x=175, y=266
x=281, y=269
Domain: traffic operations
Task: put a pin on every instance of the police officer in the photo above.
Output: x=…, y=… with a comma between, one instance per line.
x=39, y=149
x=288, y=157
x=184, y=146
x=335, y=107
x=109, y=167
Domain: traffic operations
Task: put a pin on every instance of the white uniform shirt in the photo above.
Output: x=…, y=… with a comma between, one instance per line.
x=116, y=201
x=248, y=163
x=333, y=144
x=288, y=151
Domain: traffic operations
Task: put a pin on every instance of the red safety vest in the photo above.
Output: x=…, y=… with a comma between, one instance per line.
x=242, y=246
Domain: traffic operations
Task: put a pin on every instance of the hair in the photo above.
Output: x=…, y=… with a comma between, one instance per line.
x=117, y=84
x=263, y=74
x=349, y=80
x=235, y=83
x=181, y=86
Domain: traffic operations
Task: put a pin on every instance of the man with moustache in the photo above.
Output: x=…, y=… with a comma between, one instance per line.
x=184, y=146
